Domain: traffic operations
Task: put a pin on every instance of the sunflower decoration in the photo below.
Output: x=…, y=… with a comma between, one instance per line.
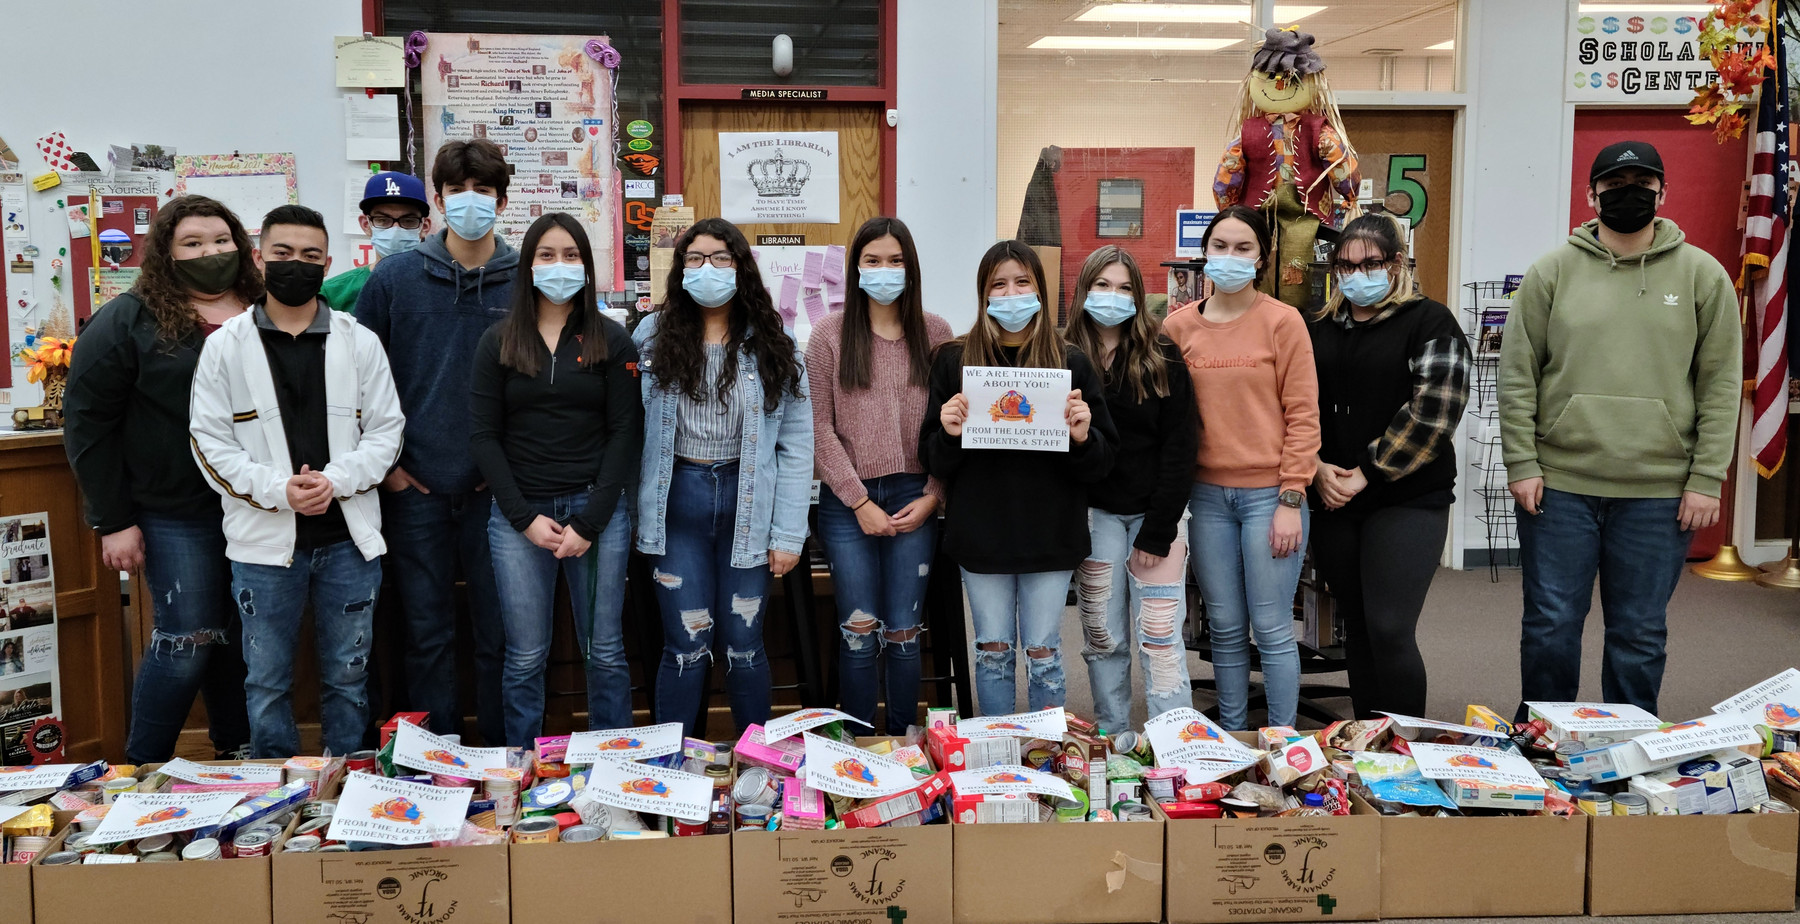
x=47, y=356
x=1741, y=67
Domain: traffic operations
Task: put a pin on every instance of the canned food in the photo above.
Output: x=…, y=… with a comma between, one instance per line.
x=1161, y=782
x=323, y=809
x=752, y=817
x=687, y=827
x=25, y=849
x=361, y=760
x=251, y=843
x=1630, y=803
x=205, y=848
x=314, y=825
x=335, y=848
x=1576, y=783
x=582, y=834
x=1566, y=750
x=1239, y=808
x=1132, y=811
x=1775, y=807
x=303, y=843
x=166, y=856
x=755, y=786
x=505, y=794
x=535, y=831
x=61, y=858
x=273, y=831
x=1595, y=803
x=156, y=843
x=722, y=752
x=112, y=789
x=1123, y=742
x=1075, y=809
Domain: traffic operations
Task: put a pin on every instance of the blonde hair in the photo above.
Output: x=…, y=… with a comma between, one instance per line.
x=1382, y=232
x=1145, y=370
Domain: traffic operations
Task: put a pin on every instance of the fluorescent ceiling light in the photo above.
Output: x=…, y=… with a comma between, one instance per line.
x=1130, y=43
x=1188, y=12
x=1442, y=46
x=1646, y=8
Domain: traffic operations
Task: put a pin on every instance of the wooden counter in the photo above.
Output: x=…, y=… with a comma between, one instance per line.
x=35, y=477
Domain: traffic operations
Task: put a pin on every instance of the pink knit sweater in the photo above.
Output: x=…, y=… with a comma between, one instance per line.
x=866, y=432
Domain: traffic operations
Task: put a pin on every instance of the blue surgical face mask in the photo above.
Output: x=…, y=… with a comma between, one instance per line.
x=390, y=241
x=882, y=283
x=1109, y=309
x=709, y=285
x=470, y=215
x=559, y=281
x=1229, y=273
x=1013, y=312
x=1366, y=288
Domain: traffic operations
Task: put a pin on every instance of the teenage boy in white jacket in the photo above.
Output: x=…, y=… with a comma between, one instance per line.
x=294, y=421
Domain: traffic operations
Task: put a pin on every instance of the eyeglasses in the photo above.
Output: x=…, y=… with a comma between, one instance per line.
x=722, y=259
x=1347, y=268
x=383, y=222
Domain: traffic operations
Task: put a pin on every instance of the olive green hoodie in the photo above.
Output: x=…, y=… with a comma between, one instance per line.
x=1621, y=376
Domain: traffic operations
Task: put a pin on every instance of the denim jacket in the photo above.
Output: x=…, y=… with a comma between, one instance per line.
x=774, y=475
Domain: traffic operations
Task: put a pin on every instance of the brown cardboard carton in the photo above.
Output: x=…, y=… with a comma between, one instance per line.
x=1481, y=867
x=591, y=883
x=842, y=875
x=15, y=892
x=1058, y=872
x=469, y=885
x=232, y=891
x=1318, y=868
x=1689, y=864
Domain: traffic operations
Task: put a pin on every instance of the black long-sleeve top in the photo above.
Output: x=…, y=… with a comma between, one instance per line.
x=1158, y=441
x=566, y=428
x=1015, y=511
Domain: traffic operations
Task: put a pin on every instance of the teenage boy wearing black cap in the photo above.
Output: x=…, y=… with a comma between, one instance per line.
x=396, y=216
x=1620, y=371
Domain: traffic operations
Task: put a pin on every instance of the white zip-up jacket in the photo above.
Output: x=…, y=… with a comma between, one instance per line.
x=241, y=445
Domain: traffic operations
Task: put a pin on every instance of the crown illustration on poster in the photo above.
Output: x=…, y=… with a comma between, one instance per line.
x=778, y=176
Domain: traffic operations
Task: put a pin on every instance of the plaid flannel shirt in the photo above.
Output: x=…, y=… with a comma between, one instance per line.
x=1425, y=424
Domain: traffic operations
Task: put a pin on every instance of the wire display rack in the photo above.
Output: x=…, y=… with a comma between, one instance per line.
x=1485, y=311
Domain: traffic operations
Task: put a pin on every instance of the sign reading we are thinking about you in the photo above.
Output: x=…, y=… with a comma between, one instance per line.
x=1016, y=408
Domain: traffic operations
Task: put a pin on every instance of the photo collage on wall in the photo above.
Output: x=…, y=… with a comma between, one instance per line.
x=28, y=656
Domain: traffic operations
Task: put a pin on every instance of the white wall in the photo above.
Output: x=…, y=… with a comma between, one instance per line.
x=946, y=145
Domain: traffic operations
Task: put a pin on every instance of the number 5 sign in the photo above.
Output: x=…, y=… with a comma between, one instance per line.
x=1400, y=182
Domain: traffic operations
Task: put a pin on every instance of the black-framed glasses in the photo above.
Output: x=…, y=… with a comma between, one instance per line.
x=1347, y=268
x=721, y=259
x=383, y=222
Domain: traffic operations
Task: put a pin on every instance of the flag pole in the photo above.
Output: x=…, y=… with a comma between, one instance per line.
x=1786, y=572
x=1727, y=564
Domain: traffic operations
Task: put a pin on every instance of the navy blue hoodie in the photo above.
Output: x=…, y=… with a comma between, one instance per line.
x=430, y=313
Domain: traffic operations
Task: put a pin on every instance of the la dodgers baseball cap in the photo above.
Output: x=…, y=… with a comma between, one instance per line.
x=1622, y=154
x=393, y=186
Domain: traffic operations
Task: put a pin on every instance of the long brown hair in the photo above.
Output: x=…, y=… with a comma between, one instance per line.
x=519, y=335
x=678, y=348
x=164, y=292
x=855, y=339
x=1044, y=347
x=1146, y=371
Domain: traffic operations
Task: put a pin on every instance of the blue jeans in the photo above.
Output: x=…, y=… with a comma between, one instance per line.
x=1121, y=611
x=430, y=538
x=879, y=583
x=1247, y=589
x=526, y=577
x=194, y=646
x=704, y=599
x=1636, y=546
x=342, y=588
x=1008, y=608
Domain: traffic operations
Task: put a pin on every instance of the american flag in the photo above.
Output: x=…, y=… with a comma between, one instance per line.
x=1766, y=240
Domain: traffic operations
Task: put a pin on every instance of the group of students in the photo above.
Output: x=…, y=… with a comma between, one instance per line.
x=469, y=411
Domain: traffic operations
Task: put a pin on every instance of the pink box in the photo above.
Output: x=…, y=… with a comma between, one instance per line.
x=784, y=756
x=802, y=807
x=887, y=809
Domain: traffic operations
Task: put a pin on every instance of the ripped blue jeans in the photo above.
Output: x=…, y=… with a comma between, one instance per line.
x=1005, y=610
x=705, y=600
x=342, y=588
x=1125, y=609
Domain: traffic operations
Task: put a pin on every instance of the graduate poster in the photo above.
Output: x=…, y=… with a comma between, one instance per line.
x=548, y=104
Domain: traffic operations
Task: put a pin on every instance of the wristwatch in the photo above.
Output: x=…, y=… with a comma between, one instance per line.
x=1292, y=498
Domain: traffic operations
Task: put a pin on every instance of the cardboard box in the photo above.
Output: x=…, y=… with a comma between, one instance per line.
x=232, y=891
x=415, y=886
x=845, y=875
x=1058, y=872
x=15, y=892
x=1313, y=868
x=1481, y=867
x=692, y=881
x=1690, y=864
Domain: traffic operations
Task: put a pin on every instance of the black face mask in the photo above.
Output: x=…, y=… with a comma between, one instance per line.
x=293, y=282
x=1627, y=209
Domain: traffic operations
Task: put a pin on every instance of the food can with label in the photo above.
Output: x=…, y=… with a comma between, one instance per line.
x=538, y=830
x=303, y=843
x=165, y=856
x=156, y=843
x=251, y=843
x=1566, y=750
x=314, y=825
x=112, y=789
x=205, y=848
x=1595, y=803
x=1576, y=784
x=61, y=858
x=583, y=834
x=335, y=848
x=1775, y=807
x=755, y=786
x=687, y=827
x=752, y=817
x=1630, y=803
x=1133, y=811
x=320, y=809
x=1075, y=809
x=1161, y=782
x=361, y=760
x=504, y=790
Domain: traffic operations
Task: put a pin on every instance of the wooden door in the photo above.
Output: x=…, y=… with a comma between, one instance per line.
x=859, y=128
x=1408, y=154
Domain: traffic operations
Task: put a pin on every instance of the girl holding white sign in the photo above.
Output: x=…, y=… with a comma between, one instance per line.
x=1137, y=516
x=1257, y=392
x=1016, y=521
x=877, y=507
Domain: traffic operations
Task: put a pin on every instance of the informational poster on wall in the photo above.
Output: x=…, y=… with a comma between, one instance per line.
x=1645, y=56
x=550, y=108
x=128, y=202
x=251, y=185
x=30, y=696
x=805, y=283
x=778, y=177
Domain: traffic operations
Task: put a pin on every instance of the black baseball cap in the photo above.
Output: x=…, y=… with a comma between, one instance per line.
x=1622, y=154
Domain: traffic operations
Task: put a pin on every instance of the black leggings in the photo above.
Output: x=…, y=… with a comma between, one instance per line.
x=1378, y=569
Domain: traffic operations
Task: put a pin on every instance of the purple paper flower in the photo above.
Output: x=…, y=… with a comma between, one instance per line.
x=607, y=55
x=415, y=48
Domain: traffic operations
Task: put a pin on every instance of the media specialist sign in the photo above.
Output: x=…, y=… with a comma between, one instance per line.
x=1641, y=56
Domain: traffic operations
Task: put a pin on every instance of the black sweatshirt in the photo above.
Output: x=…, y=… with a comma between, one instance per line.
x=1015, y=511
x=125, y=419
x=567, y=428
x=297, y=368
x=1158, y=441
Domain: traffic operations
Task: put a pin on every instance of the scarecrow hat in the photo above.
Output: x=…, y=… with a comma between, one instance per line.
x=1287, y=51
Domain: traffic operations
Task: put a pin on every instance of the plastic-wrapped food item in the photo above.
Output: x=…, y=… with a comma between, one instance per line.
x=37, y=821
x=1119, y=766
x=474, y=835
x=1394, y=780
x=1267, y=798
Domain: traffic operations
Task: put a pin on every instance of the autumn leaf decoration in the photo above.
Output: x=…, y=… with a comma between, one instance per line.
x=1741, y=67
x=45, y=354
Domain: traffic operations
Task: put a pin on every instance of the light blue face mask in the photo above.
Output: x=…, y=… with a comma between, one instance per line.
x=1366, y=288
x=470, y=214
x=559, y=281
x=882, y=283
x=709, y=285
x=1109, y=309
x=1229, y=273
x=390, y=241
x=1013, y=312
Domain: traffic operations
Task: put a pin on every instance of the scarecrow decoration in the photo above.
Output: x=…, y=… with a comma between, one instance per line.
x=1291, y=158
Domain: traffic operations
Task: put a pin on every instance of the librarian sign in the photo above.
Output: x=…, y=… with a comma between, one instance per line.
x=1644, y=56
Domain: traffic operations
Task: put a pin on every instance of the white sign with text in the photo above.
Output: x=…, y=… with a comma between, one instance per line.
x=1016, y=408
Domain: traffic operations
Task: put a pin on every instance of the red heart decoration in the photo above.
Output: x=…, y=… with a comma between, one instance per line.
x=593, y=131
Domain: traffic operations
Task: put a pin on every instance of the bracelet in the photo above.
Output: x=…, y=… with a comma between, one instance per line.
x=859, y=506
